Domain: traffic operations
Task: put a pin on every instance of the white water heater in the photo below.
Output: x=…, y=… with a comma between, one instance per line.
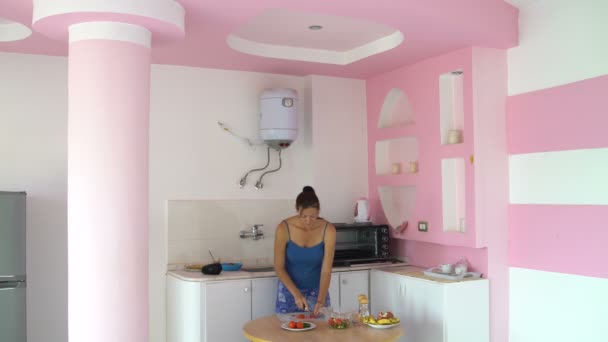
x=279, y=117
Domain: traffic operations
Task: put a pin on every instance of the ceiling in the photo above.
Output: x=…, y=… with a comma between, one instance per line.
x=426, y=27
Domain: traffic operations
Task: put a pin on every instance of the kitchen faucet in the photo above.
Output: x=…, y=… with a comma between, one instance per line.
x=255, y=233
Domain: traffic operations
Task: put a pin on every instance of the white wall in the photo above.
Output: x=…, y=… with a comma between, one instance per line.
x=560, y=41
x=557, y=307
x=33, y=157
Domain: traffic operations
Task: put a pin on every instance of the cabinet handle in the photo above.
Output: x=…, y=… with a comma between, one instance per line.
x=246, y=289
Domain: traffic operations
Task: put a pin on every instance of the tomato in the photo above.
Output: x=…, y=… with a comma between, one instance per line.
x=292, y=325
x=330, y=321
x=301, y=316
x=338, y=321
x=300, y=325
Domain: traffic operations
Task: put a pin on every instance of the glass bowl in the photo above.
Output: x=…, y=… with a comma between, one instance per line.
x=339, y=319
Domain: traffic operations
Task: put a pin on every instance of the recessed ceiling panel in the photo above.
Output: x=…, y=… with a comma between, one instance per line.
x=287, y=34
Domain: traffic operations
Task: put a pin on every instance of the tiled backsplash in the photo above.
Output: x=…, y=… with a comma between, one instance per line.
x=195, y=226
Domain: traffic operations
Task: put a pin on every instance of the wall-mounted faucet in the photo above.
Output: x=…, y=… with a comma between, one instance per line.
x=255, y=232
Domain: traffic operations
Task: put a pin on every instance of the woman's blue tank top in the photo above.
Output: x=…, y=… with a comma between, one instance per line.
x=303, y=264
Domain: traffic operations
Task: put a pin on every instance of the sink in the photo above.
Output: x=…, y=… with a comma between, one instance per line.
x=258, y=269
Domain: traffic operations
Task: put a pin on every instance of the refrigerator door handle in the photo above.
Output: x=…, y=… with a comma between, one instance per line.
x=11, y=278
x=12, y=285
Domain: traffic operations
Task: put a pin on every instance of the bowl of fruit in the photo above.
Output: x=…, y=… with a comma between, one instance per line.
x=339, y=319
x=384, y=320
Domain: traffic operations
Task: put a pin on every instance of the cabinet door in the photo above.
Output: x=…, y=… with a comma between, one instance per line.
x=263, y=296
x=228, y=308
x=384, y=292
x=334, y=289
x=422, y=310
x=353, y=284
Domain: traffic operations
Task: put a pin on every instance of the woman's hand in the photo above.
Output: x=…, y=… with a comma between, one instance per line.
x=301, y=302
x=317, y=310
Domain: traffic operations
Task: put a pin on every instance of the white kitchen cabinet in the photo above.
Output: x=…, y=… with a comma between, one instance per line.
x=199, y=311
x=353, y=284
x=346, y=286
x=263, y=296
x=433, y=311
x=227, y=307
x=334, y=289
x=209, y=311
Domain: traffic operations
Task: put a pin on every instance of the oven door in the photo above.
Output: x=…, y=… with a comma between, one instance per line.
x=356, y=243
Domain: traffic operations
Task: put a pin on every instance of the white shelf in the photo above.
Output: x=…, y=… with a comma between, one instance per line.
x=397, y=203
x=453, y=194
x=401, y=151
x=396, y=110
x=451, y=105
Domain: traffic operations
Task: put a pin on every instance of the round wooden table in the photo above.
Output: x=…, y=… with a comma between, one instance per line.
x=268, y=329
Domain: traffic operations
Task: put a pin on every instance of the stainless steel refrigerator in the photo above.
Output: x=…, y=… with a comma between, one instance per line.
x=12, y=267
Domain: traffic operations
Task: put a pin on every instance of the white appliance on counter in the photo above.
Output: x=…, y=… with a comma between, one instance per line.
x=12, y=267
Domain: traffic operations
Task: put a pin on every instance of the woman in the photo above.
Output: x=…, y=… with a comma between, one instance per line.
x=303, y=256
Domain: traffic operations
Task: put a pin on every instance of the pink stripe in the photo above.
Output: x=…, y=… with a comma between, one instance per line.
x=568, y=117
x=559, y=238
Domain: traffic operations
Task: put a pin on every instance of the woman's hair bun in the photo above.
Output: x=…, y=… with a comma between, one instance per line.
x=308, y=188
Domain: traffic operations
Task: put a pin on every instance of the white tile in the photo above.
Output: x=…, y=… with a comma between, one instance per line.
x=183, y=220
x=228, y=250
x=196, y=226
x=218, y=219
x=184, y=251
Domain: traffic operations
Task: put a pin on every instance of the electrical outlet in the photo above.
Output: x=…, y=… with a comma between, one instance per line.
x=423, y=226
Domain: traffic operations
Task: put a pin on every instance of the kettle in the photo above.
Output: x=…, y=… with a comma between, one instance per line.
x=362, y=210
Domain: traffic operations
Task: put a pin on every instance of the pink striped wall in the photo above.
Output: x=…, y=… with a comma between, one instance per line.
x=567, y=117
x=559, y=238
x=569, y=239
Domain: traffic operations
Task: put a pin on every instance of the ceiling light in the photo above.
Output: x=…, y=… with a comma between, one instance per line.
x=315, y=27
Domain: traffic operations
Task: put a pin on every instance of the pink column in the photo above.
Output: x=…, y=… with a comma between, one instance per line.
x=109, y=96
x=108, y=120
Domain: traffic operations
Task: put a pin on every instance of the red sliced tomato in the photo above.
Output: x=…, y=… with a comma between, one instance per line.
x=301, y=316
x=300, y=325
x=292, y=325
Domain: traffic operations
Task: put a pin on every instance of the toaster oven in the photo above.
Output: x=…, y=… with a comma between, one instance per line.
x=361, y=243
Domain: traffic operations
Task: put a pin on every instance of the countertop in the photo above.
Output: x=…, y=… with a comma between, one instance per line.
x=418, y=272
x=400, y=268
x=233, y=275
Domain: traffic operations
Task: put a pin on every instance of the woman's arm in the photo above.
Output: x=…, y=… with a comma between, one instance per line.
x=280, y=242
x=328, y=260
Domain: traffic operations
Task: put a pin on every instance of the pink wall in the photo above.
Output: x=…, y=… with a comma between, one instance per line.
x=567, y=117
x=559, y=238
x=484, y=96
x=424, y=254
x=420, y=82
